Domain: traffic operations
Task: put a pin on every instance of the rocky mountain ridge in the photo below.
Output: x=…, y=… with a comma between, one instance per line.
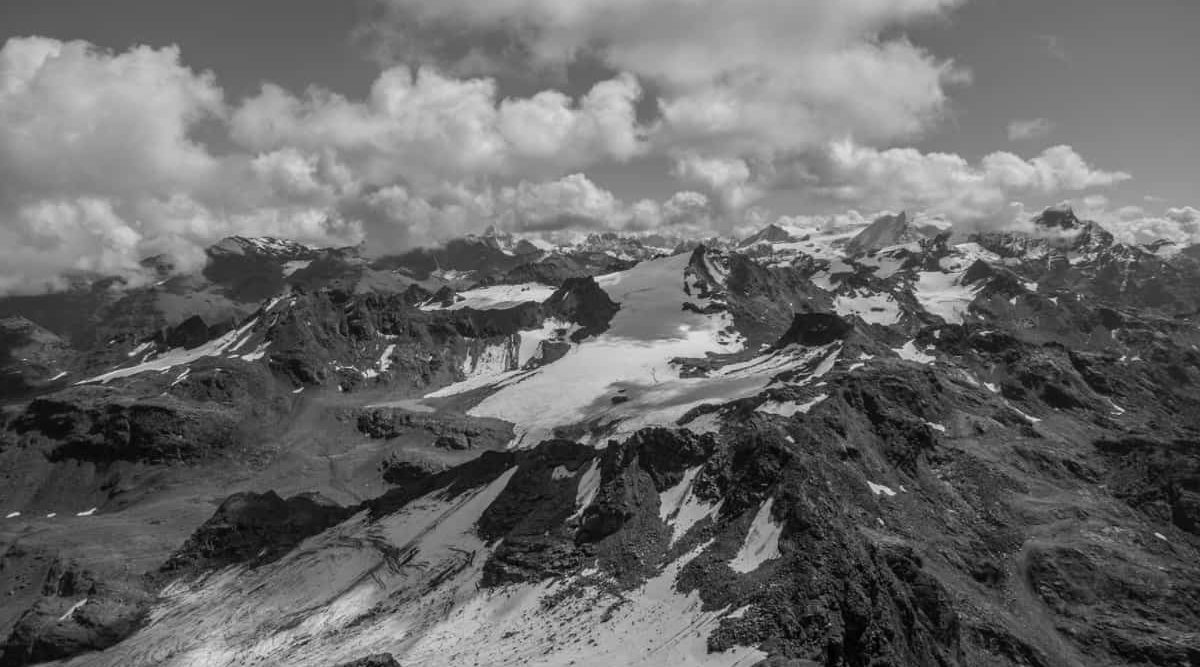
x=864, y=446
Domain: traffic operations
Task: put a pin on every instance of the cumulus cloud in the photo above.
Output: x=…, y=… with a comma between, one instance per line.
x=1134, y=224
x=949, y=186
x=100, y=165
x=422, y=126
x=1026, y=130
x=98, y=169
x=729, y=178
x=754, y=78
x=556, y=208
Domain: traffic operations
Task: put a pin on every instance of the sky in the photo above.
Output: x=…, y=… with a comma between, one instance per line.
x=135, y=127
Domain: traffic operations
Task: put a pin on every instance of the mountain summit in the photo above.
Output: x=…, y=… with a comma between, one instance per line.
x=888, y=230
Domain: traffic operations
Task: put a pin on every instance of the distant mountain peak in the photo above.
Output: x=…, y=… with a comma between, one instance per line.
x=259, y=245
x=772, y=233
x=1060, y=216
x=887, y=230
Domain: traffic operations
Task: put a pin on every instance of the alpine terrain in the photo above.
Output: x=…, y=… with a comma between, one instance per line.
x=883, y=444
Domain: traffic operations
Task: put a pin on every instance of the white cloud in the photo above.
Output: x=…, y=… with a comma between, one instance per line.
x=729, y=178
x=76, y=119
x=947, y=185
x=1133, y=224
x=98, y=169
x=99, y=166
x=752, y=78
x=423, y=127
x=572, y=204
x=1026, y=130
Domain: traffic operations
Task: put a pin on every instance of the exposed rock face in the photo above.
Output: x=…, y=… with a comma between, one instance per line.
x=192, y=332
x=379, y=660
x=30, y=356
x=555, y=269
x=85, y=423
x=1058, y=217
x=814, y=329
x=73, y=613
x=200, y=418
x=464, y=432
x=768, y=234
x=888, y=230
x=254, y=528
x=581, y=301
x=480, y=256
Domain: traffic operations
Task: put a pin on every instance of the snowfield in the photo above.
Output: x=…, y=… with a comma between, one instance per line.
x=408, y=585
x=872, y=308
x=497, y=297
x=634, y=360
x=634, y=355
x=944, y=295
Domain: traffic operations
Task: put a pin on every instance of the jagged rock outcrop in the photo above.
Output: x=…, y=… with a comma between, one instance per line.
x=70, y=611
x=253, y=528
x=814, y=329
x=378, y=660
x=31, y=357
x=768, y=234
x=202, y=416
x=454, y=431
x=582, y=302
x=888, y=230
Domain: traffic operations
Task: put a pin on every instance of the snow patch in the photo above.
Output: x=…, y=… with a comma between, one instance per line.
x=140, y=349
x=296, y=265
x=181, y=377
x=560, y=472
x=1029, y=418
x=179, y=356
x=944, y=295
x=790, y=408
x=740, y=613
x=589, y=486
x=258, y=353
x=654, y=625
x=680, y=507
x=71, y=612
x=881, y=490
x=762, y=541
x=910, y=353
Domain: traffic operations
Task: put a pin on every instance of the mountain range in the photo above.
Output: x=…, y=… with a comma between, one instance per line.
x=881, y=444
